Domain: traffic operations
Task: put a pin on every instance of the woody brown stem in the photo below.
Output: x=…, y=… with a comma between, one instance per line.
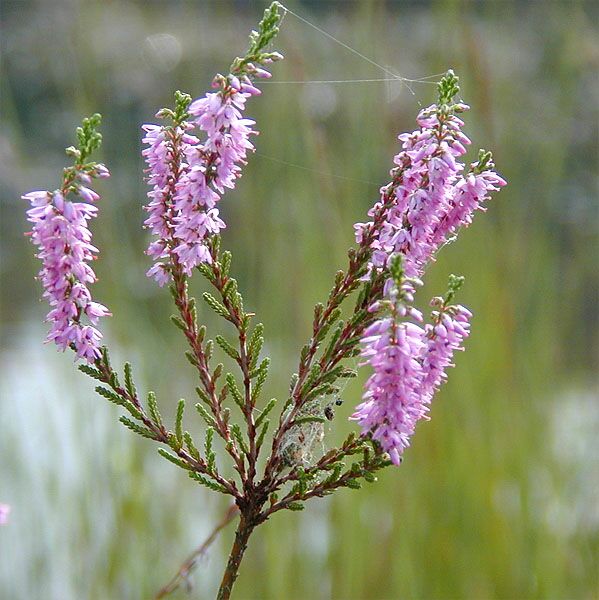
x=246, y=526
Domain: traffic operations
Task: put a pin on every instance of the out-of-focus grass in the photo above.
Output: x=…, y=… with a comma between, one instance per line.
x=497, y=498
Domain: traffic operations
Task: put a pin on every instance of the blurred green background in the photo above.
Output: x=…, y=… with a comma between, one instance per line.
x=499, y=495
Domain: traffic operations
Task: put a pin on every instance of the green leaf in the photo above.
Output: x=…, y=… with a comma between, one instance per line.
x=239, y=400
x=210, y=455
x=265, y=411
x=216, y=306
x=129, y=384
x=195, y=453
x=262, y=433
x=293, y=382
x=262, y=374
x=208, y=349
x=230, y=290
x=205, y=415
x=255, y=345
x=312, y=378
x=191, y=358
x=333, y=317
x=89, y=370
x=110, y=395
x=358, y=317
x=237, y=301
x=236, y=431
x=105, y=356
x=138, y=428
x=206, y=270
x=178, y=322
x=179, y=422
x=203, y=395
x=333, y=341
x=217, y=372
x=227, y=347
x=304, y=352
x=153, y=408
x=213, y=485
x=225, y=263
x=114, y=380
x=334, y=476
x=322, y=390
x=369, y=477
x=364, y=293
x=295, y=506
x=318, y=309
x=174, y=459
x=332, y=375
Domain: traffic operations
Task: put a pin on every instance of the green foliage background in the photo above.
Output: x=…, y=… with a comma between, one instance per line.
x=498, y=496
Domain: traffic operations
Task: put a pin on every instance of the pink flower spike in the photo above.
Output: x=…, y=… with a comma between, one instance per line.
x=60, y=232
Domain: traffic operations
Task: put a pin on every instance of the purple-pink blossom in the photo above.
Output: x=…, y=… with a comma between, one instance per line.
x=189, y=175
x=468, y=195
x=432, y=198
x=392, y=403
x=60, y=231
x=164, y=152
x=443, y=337
x=409, y=364
x=428, y=201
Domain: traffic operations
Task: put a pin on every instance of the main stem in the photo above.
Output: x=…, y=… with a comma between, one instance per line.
x=244, y=530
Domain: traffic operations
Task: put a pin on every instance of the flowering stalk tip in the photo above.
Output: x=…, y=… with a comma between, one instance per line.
x=192, y=160
x=60, y=231
x=448, y=88
x=428, y=200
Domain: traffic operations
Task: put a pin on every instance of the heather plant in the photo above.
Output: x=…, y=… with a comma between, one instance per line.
x=193, y=156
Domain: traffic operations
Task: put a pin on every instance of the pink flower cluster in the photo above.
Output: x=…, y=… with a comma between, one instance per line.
x=433, y=198
x=443, y=338
x=408, y=363
x=211, y=167
x=392, y=402
x=163, y=144
x=189, y=176
x=60, y=231
x=426, y=204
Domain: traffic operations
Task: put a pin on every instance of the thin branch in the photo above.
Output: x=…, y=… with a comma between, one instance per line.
x=191, y=562
x=237, y=319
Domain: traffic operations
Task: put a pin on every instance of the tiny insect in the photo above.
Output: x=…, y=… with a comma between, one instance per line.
x=329, y=412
